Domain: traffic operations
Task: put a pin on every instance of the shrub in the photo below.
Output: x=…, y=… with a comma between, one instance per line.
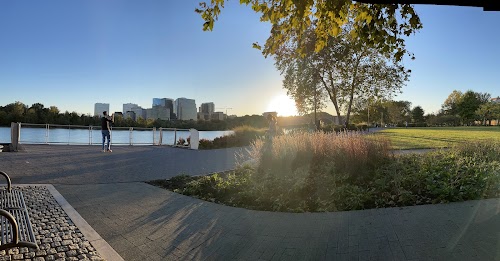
x=242, y=136
x=206, y=144
x=177, y=182
x=181, y=142
x=362, y=127
x=464, y=172
x=340, y=128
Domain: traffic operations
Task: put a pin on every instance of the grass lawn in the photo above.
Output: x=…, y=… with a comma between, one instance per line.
x=439, y=137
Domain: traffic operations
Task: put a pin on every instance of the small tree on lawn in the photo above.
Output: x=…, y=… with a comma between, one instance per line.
x=417, y=115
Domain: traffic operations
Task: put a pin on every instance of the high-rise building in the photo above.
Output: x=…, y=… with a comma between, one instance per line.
x=218, y=115
x=139, y=112
x=99, y=108
x=158, y=112
x=149, y=113
x=207, y=107
x=128, y=107
x=206, y=110
x=185, y=109
x=203, y=116
x=167, y=103
x=159, y=102
x=130, y=114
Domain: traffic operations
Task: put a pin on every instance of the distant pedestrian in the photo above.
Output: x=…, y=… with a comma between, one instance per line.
x=406, y=124
x=105, y=129
x=273, y=125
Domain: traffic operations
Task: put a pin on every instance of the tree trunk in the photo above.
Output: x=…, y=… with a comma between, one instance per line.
x=351, y=95
x=335, y=104
x=332, y=94
x=315, y=109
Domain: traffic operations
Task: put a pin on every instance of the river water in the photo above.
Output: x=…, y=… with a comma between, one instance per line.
x=119, y=136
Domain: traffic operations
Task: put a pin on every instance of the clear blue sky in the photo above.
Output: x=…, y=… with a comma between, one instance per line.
x=72, y=54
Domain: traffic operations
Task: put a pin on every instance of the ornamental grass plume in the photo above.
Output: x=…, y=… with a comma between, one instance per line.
x=350, y=152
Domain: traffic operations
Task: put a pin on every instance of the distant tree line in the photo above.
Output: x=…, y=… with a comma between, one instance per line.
x=395, y=113
x=459, y=109
x=466, y=109
x=39, y=114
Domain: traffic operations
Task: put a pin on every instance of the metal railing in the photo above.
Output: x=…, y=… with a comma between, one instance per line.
x=91, y=135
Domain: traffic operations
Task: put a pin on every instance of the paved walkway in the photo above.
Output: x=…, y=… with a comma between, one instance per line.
x=142, y=222
x=63, y=164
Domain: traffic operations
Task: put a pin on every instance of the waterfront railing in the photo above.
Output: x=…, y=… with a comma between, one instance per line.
x=28, y=133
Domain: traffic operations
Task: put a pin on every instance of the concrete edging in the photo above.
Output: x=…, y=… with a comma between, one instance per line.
x=101, y=246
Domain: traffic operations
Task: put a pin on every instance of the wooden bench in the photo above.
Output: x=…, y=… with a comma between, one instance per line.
x=15, y=224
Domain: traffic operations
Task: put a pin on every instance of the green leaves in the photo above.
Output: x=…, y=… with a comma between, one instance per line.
x=329, y=18
x=256, y=46
x=208, y=26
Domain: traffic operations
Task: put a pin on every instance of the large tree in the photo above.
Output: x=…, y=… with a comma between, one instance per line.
x=450, y=104
x=347, y=69
x=15, y=111
x=389, y=111
x=383, y=26
x=397, y=112
x=489, y=111
x=468, y=105
x=304, y=86
x=417, y=114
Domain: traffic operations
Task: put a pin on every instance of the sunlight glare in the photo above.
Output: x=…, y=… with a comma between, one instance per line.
x=283, y=105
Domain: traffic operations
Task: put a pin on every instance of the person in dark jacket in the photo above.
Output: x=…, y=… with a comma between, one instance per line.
x=105, y=129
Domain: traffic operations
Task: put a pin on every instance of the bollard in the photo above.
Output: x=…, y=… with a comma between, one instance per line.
x=15, y=135
x=161, y=136
x=195, y=139
x=154, y=136
x=175, y=137
x=131, y=129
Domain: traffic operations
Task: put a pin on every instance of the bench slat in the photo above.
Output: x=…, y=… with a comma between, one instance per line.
x=10, y=200
x=5, y=227
x=13, y=202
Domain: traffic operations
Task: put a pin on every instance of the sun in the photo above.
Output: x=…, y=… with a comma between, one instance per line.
x=283, y=105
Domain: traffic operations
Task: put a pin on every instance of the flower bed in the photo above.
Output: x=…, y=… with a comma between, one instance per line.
x=347, y=171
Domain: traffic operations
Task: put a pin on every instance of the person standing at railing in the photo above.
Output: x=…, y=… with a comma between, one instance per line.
x=105, y=129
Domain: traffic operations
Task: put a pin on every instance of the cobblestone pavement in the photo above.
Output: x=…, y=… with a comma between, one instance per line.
x=143, y=222
x=56, y=235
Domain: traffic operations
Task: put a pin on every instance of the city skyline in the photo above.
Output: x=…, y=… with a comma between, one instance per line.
x=74, y=54
x=161, y=108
